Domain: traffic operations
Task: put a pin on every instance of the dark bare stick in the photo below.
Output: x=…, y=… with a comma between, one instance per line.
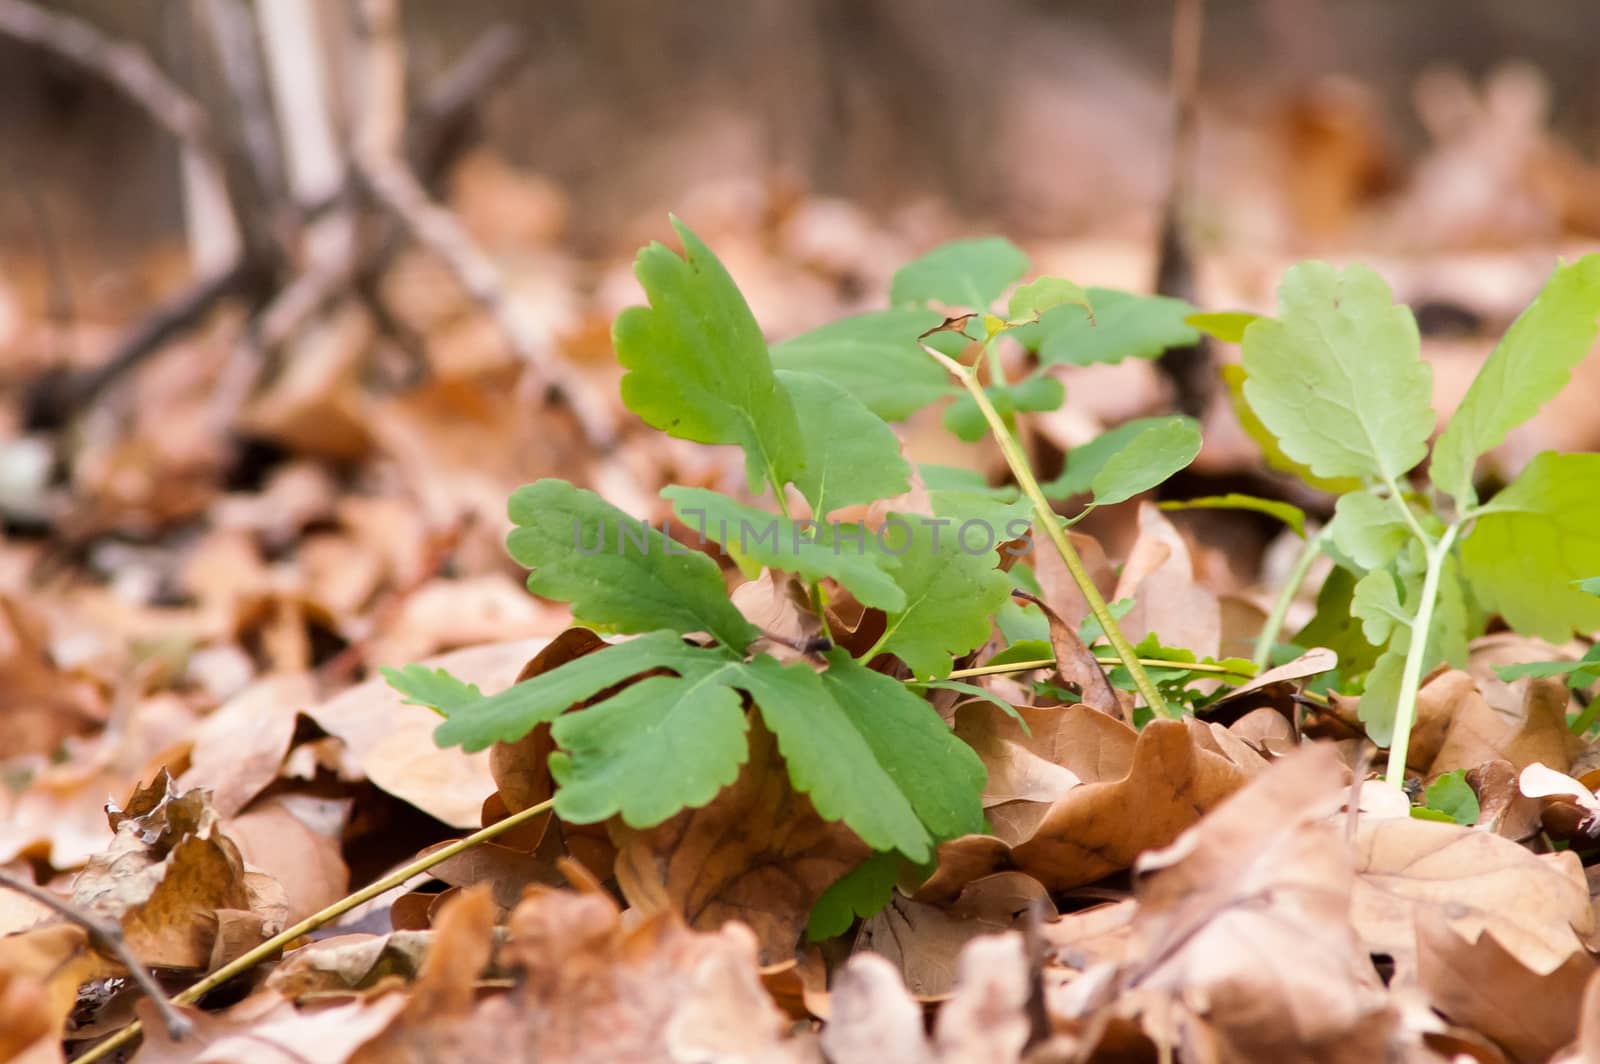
x=1188, y=368
x=106, y=938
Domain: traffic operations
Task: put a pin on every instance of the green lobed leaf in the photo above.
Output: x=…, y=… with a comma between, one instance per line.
x=1334, y=625
x=1530, y=365
x=1580, y=673
x=1451, y=795
x=1339, y=380
x=874, y=357
x=434, y=689
x=852, y=456
x=1147, y=460
x=1225, y=325
x=698, y=365
x=616, y=572
x=1537, y=539
x=1382, y=693
x=508, y=715
x=1233, y=377
x=830, y=758
x=939, y=774
x=861, y=892
x=1591, y=586
x=779, y=543
x=1046, y=293
x=952, y=590
x=1377, y=602
x=1124, y=325
x=658, y=746
x=963, y=273
x=1288, y=513
x=965, y=495
x=1085, y=461
x=1368, y=530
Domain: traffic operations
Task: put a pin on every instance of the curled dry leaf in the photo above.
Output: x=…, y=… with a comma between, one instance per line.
x=239, y=749
x=1099, y=828
x=176, y=884
x=349, y=962
x=1078, y=667
x=1537, y=906
x=1241, y=944
x=588, y=989
x=1481, y=985
x=1533, y=729
x=758, y=853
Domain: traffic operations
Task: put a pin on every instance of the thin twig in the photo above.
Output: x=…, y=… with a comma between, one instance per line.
x=105, y=937
x=121, y=64
x=273, y=945
x=382, y=167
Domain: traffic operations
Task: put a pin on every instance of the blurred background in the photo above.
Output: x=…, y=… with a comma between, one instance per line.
x=294, y=293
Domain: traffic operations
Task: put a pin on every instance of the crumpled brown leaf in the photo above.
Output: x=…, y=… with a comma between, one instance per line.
x=1537, y=906
x=1242, y=948
x=589, y=989
x=176, y=884
x=1095, y=829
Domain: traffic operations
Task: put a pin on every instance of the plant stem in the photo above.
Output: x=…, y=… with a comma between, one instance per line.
x=1046, y=517
x=1405, y=709
x=1286, y=596
x=1586, y=719
x=255, y=956
x=1109, y=662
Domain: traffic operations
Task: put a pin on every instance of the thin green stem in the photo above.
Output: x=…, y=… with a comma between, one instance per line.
x=1046, y=518
x=276, y=943
x=1405, y=709
x=1405, y=512
x=1286, y=595
x=1107, y=662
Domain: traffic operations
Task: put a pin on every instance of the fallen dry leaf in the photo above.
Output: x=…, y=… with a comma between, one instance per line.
x=1099, y=828
x=1536, y=906
x=170, y=874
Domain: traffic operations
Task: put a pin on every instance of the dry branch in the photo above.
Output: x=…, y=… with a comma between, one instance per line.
x=107, y=938
x=383, y=168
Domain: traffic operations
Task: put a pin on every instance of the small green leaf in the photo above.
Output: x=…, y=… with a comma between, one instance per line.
x=1288, y=513
x=1531, y=364
x=1046, y=293
x=1382, y=692
x=1025, y=650
x=658, y=746
x=1591, y=586
x=964, y=273
x=1377, y=602
x=831, y=758
x=875, y=357
x=698, y=365
x=861, y=892
x=952, y=589
x=1542, y=670
x=508, y=715
x=1090, y=629
x=852, y=455
x=617, y=572
x=1334, y=626
x=1339, y=380
x=1368, y=530
x=1038, y=393
x=1085, y=461
x=779, y=543
x=434, y=689
x=965, y=495
x=940, y=775
x=1233, y=376
x=1124, y=325
x=1536, y=538
x=1451, y=795
x=1147, y=460
x=1226, y=325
